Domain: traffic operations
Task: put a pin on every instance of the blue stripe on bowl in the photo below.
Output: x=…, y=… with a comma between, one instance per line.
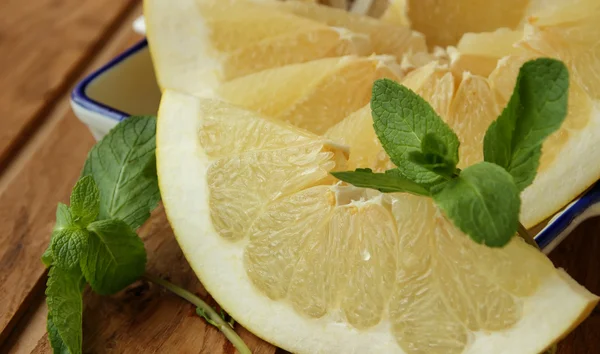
x=80, y=97
x=560, y=224
x=544, y=238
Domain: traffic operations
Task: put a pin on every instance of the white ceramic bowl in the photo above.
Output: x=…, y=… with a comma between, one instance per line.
x=127, y=86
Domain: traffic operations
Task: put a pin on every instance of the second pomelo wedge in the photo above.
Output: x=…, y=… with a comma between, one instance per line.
x=315, y=267
x=198, y=44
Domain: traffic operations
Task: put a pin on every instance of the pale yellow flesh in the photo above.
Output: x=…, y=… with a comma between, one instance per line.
x=314, y=95
x=198, y=44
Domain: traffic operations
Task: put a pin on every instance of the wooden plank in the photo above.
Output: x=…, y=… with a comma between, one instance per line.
x=45, y=44
x=36, y=180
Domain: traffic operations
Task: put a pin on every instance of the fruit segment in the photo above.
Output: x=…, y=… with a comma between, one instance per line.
x=314, y=95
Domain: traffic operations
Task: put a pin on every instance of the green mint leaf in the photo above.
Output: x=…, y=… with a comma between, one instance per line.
x=432, y=145
x=434, y=157
x=434, y=163
x=47, y=258
x=63, y=217
x=402, y=119
x=85, y=201
x=63, y=220
x=123, y=165
x=67, y=245
x=114, y=258
x=483, y=202
x=391, y=181
x=536, y=109
x=56, y=342
x=65, y=310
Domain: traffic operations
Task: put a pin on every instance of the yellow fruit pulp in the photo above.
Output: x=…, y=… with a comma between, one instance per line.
x=216, y=40
x=313, y=95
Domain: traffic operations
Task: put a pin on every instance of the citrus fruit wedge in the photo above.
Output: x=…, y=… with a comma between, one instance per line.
x=316, y=267
x=313, y=95
x=386, y=38
x=196, y=45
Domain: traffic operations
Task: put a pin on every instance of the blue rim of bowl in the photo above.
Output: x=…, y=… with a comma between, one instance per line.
x=543, y=238
x=80, y=97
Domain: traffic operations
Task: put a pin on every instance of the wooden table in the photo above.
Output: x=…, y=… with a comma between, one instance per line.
x=45, y=47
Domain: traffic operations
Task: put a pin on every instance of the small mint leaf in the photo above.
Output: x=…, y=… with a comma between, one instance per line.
x=63, y=220
x=389, y=182
x=85, y=201
x=123, y=165
x=47, y=258
x=402, y=119
x=432, y=145
x=63, y=217
x=56, y=342
x=65, y=310
x=483, y=202
x=67, y=245
x=536, y=109
x=434, y=163
x=114, y=258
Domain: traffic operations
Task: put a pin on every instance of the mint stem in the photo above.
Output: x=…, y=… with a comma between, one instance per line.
x=223, y=326
x=525, y=235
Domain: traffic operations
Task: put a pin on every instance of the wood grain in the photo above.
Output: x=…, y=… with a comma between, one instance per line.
x=37, y=178
x=45, y=44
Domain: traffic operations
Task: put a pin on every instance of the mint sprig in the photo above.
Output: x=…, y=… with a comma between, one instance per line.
x=114, y=258
x=483, y=200
x=401, y=120
x=91, y=241
x=536, y=109
x=94, y=239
